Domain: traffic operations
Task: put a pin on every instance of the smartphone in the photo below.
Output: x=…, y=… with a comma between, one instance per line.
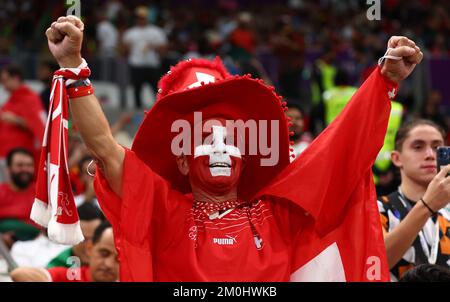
x=443, y=157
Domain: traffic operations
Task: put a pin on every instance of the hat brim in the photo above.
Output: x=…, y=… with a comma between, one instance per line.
x=237, y=98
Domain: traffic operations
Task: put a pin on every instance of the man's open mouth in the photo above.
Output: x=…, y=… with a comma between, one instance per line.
x=220, y=165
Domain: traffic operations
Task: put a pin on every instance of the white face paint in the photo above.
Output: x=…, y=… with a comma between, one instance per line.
x=219, y=153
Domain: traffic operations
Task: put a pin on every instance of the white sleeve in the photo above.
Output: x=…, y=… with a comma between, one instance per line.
x=128, y=37
x=158, y=37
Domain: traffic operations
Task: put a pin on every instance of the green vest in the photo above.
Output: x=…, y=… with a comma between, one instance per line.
x=383, y=161
x=327, y=72
x=335, y=100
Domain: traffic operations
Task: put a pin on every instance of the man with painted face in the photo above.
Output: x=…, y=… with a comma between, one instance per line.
x=187, y=204
x=215, y=166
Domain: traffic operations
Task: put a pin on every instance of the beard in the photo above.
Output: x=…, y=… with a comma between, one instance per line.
x=22, y=179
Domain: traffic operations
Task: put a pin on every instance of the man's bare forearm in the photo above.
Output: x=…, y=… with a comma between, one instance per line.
x=92, y=125
x=29, y=274
x=94, y=128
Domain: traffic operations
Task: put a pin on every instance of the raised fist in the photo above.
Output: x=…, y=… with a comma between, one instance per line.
x=65, y=37
x=398, y=70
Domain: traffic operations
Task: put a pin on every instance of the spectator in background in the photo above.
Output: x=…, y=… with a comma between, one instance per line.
x=103, y=265
x=16, y=198
x=90, y=218
x=45, y=73
x=242, y=48
x=206, y=46
x=242, y=39
x=415, y=219
x=37, y=252
x=22, y=117
x=145, y=44
x=108, y=39
x=301, y=138
x=333, y=100
x=289, y=46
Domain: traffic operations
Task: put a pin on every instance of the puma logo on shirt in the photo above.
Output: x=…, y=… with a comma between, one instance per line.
x=225, y=241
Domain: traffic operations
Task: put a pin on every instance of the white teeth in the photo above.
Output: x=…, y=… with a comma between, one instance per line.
x=223, y=165
x=220, y=171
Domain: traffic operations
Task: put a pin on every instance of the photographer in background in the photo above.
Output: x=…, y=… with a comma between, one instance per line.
x=416, y=222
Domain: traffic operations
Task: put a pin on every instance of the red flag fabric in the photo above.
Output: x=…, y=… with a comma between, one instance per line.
x=317, y=221
x=334, y=185
x=54, y=206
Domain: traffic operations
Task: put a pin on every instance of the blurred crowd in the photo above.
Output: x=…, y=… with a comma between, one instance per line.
x=279, y=41
x=316, y=53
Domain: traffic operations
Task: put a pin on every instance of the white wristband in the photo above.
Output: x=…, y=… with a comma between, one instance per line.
x=387, y=56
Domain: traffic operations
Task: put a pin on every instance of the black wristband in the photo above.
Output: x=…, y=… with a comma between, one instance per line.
x=428, y=207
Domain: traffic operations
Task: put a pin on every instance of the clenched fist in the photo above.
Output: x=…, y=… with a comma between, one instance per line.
x=398, y=70
x=65, y=37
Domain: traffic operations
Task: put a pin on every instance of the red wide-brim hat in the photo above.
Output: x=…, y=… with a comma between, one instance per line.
x=200, y=85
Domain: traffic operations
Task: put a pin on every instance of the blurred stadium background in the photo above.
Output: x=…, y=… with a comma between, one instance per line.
x=280, y=41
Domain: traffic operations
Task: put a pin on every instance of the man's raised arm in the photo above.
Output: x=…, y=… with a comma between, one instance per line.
x=65, y=37
x=342, y=155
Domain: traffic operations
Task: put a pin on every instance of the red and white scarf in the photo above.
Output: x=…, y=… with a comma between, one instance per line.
x=54, y=206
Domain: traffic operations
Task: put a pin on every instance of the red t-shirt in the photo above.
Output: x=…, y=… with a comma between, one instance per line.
x=16, y=205
x=26, y=104
x=188, y=246
x=62, y=274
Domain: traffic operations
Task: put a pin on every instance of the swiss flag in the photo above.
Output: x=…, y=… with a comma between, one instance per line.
x=352, y=251
x=331, y=180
